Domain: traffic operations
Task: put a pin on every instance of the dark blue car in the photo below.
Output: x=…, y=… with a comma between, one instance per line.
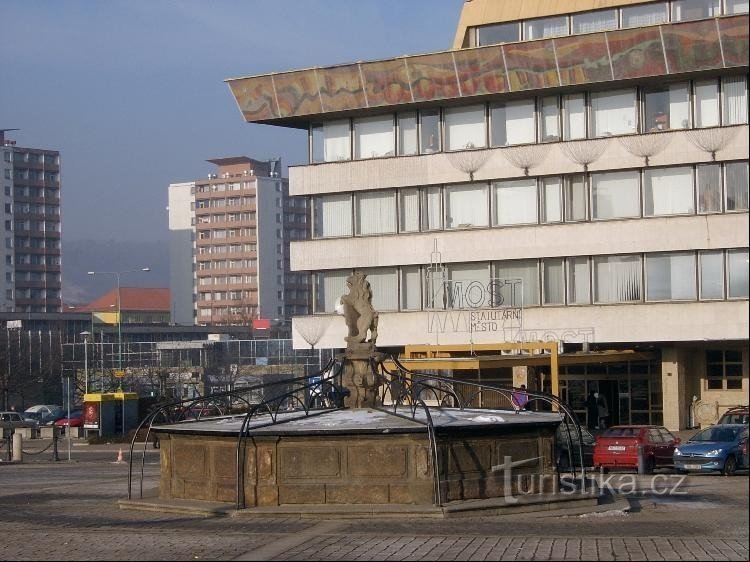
x=719, y=447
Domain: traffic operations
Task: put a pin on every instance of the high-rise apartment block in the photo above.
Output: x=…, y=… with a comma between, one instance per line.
x=229, y=246
x=570, y=172
x=31, y=262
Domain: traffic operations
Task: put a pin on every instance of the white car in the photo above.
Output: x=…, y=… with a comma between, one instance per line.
x=44, y=414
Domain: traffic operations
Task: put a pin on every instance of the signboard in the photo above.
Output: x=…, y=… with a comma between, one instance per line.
x=120, y=373
x=91, y=415
x=261, y=323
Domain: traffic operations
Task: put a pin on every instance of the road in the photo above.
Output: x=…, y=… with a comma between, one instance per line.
x=68, y=511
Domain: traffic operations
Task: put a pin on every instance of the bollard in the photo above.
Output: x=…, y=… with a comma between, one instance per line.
x=55, y=455
x=17, y=447
x=641, y=460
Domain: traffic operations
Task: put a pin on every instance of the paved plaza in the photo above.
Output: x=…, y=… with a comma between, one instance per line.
x=68, y=511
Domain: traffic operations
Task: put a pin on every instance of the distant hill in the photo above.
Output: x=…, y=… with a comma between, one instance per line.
x=81, y=256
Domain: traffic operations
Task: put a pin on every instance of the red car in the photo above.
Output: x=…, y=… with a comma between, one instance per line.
x=618, y=447
x=75, y=419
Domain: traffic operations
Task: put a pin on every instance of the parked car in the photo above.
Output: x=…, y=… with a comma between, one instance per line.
x=618, y=447
x=44, y=414
x=15, y=419
x=562, y=454
x=721, y=447
x=739, y=414
x=75, y=419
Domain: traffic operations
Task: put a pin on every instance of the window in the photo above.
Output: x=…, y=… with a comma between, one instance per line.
x=551, y=200
x=329, y=286
x=525, y=292
x=498, y=33
x=615, y=195
x=550, y=119
x=512, y=122
x=706, y=104
x=590, y=22
x=709, y=188
x=411, y=285
x=578, y=281
x=617, y=279
x=711, y=274
x=374, y=137
x=553, y=281
x=466, y=285
x=685, y=10
x=384, y=284
x=613, y=113
x=737, y=266
x=333, y=215
x=724, y=370
x=574, y=116
x=639, y=16
x=666, y=108
x=734, y=108
x=737, y=186
x=465, y=128
x=432, y=208
x=668, y=191
x=735, y=7
x=429, y=133
x=466, y=206
x=331, y=141
x=545, y=27
x=407, y=134
x=575, y=198
x=408, y=210
x=515, y=202
x=375, y=212
x=670, y=277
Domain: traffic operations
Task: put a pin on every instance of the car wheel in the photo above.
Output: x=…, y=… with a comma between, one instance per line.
x=730, y=466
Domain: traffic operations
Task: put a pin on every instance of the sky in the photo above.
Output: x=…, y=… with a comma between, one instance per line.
x=132, y=94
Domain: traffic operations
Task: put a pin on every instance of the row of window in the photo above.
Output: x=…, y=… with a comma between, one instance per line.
x=228, y=202
x=227, y=249
x=227, y=312
x=32, y=191
x=677, y=190
x=35, y=175
x=34, y=209
x=723, y=369
x=224, y=295
x=699, y=104
x=227, y=264
x=32, y=157
x=580, y=280
x=26, y=242
x=37, y=259
x=604, y=20
x=227, y=280
x=225, y=217
x=35, y=226
x=32, y=293
x=228, y=233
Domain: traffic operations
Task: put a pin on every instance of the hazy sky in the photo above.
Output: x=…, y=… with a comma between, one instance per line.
x=132, y=92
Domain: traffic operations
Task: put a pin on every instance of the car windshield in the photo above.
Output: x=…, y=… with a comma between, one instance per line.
x=724, y=434
x=623, y=432
x=735, y=418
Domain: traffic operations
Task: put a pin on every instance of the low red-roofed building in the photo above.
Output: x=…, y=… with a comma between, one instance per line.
x=138, y=305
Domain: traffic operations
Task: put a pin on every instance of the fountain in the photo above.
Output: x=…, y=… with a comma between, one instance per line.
x=364, y=437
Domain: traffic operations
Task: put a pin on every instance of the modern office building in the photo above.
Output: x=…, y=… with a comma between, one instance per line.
x=229, y=246
x=560, y=200
x=31, y=264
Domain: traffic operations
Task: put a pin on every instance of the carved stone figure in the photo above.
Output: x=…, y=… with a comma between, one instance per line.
x=359, y=314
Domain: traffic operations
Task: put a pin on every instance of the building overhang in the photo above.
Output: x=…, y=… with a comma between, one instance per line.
x=294, y=99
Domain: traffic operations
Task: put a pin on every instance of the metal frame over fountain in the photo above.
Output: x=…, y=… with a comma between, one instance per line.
x=360, y=436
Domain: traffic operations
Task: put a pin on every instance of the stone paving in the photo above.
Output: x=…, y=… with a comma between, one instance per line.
x=68, y=511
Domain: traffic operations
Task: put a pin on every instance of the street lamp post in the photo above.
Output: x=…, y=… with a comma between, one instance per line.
x=86, y=361
x=119, y=310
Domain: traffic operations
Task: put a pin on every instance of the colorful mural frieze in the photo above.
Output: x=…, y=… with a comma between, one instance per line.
x=386, y=82
x=583, y=59
x=692, y=46
x=636, y=52
x=255, y=97
x=297, y=93
x=531, y=65
x=481, y=71
x=341, y=88
x=432, y=77
x=734, y=40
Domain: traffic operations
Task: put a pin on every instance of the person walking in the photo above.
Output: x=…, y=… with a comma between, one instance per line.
x=592, y=411
x=520, y=398
x=602, y=410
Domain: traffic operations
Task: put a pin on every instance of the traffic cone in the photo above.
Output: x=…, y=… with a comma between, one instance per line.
x=119, y=456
